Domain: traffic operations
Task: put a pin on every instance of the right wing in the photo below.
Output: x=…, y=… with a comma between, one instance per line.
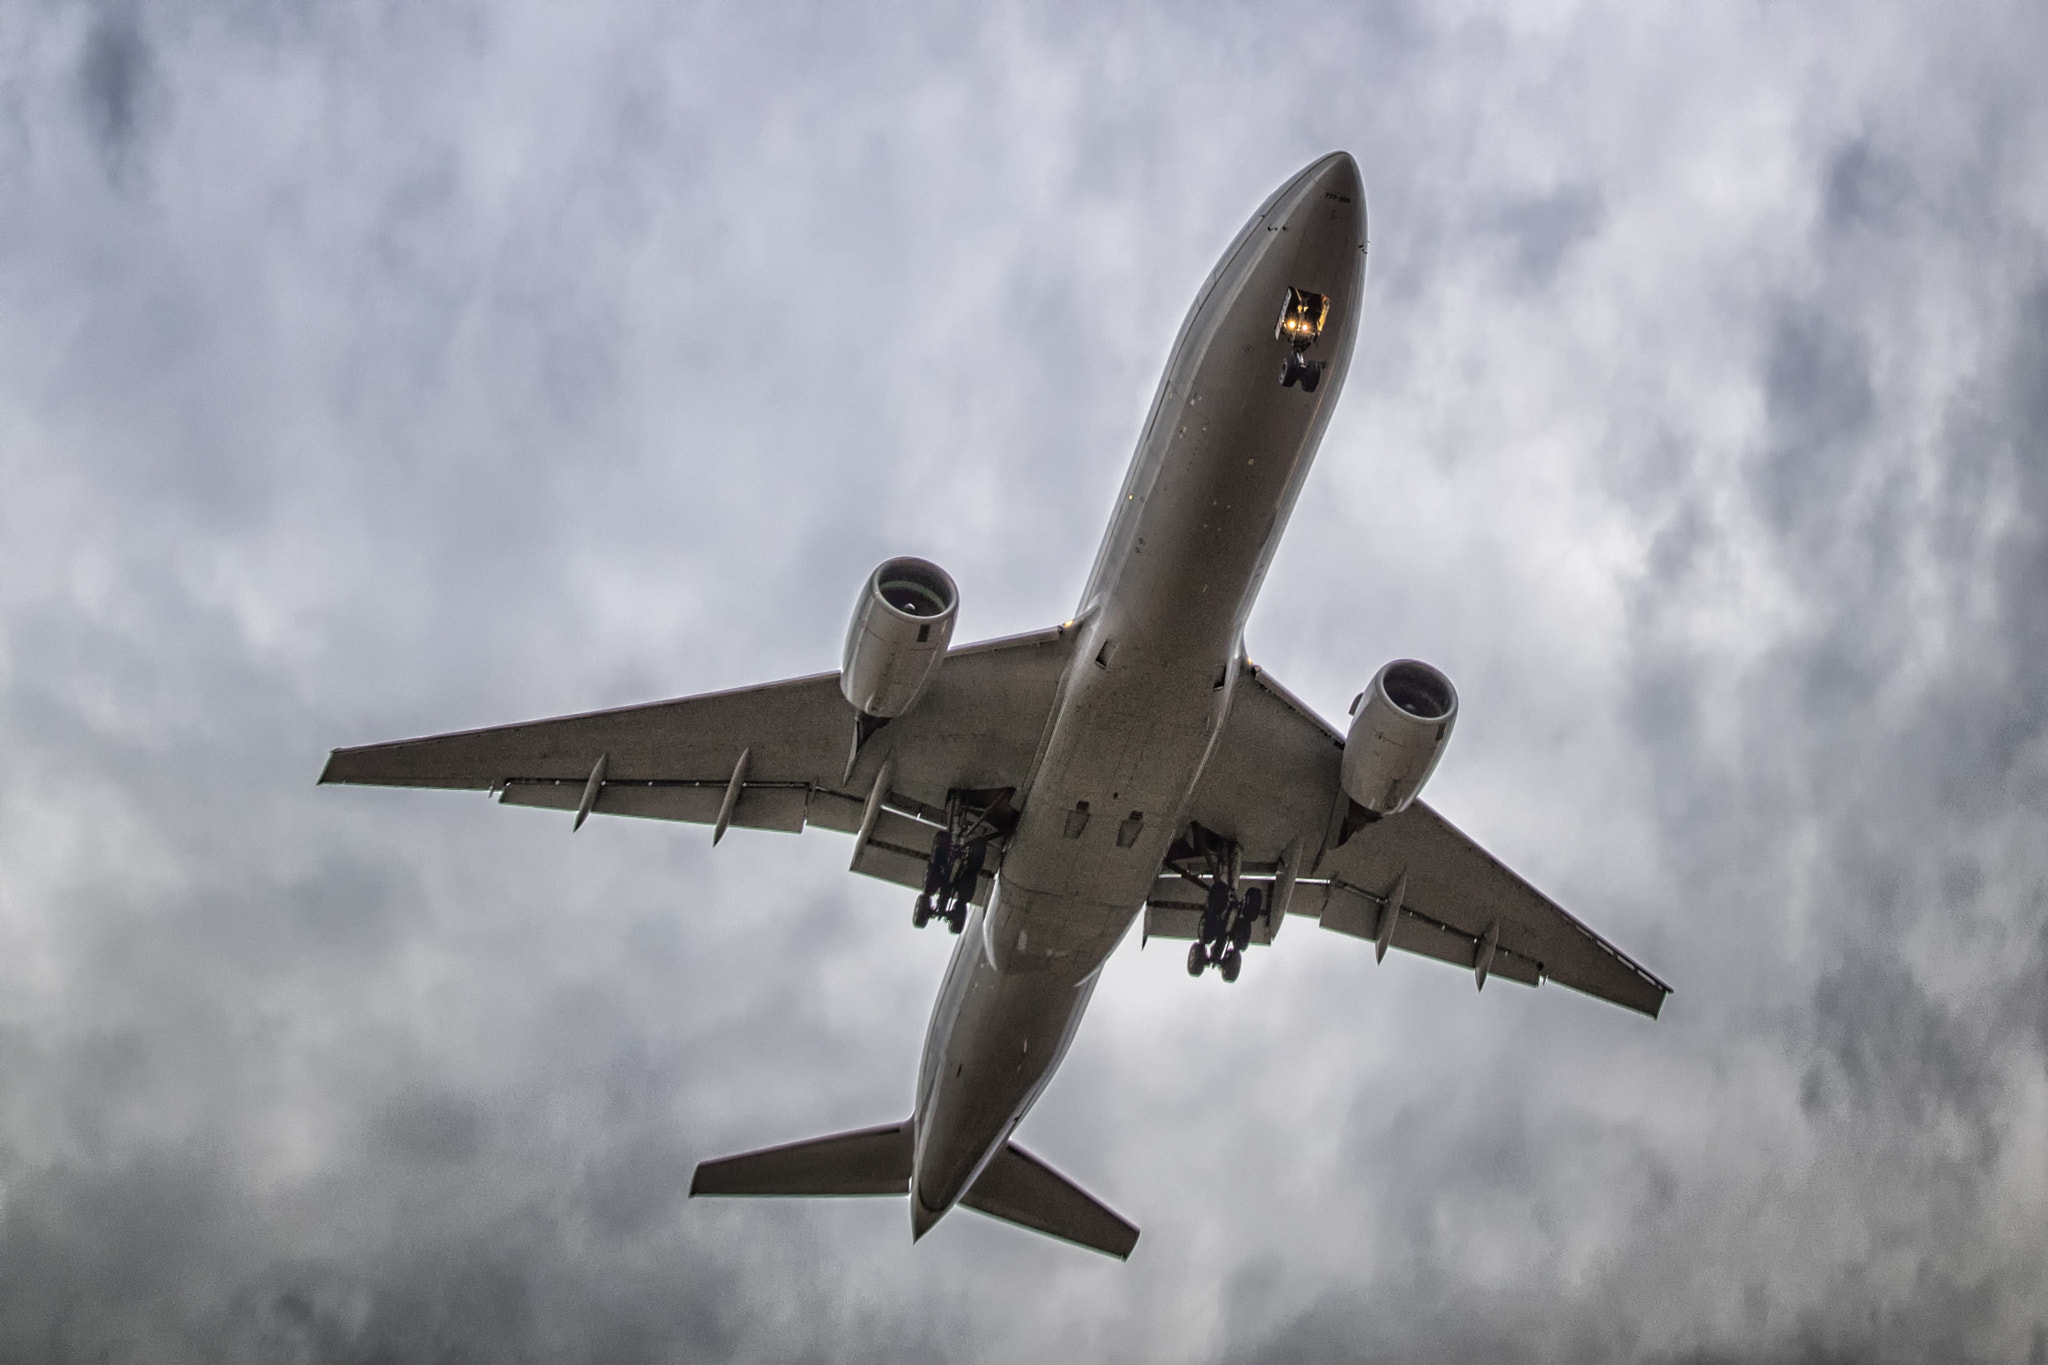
x=1272, y=787
x=977, y=727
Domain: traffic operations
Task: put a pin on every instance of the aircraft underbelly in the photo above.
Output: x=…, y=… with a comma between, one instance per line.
x=1153, y=679
x=995, y=1040
x=1222, y=460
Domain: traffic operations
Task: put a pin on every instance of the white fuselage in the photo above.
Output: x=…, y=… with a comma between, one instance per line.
x=1217, y=470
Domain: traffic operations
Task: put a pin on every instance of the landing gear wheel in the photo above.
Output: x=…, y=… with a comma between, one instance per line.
x=921, y=915
x=1198, y=958
x=1233, y=962
x=1299, y=369
x=957, y=921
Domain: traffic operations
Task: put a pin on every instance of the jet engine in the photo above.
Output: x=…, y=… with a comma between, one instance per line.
x=1399, y=727
x=898, y=637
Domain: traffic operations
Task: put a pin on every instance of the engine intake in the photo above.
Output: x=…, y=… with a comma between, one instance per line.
x=1399, y=726
x=900, y=629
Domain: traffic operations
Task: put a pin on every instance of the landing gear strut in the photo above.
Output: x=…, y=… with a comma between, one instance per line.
x=1302, y=316
x=1228, y=916
x=1226, y=930
x=959, y=855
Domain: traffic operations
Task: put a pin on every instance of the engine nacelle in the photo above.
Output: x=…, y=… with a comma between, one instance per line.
x=1399, y=727
x=898, y=637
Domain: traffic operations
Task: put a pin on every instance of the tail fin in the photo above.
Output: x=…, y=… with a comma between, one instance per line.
x=871, y=1161
x=1019, y=1188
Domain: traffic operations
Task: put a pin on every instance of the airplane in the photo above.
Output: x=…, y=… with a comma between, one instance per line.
x=1042, y=792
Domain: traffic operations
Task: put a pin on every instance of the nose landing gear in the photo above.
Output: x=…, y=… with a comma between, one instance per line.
x=1302, y=316
x=1299, y=369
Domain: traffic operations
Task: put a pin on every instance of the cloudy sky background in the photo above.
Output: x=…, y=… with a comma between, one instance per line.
x=370, y=370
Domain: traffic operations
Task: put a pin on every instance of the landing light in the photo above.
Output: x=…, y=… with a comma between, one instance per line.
x=1302, y=318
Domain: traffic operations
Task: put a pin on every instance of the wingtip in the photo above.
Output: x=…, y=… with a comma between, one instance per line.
x=327, y=768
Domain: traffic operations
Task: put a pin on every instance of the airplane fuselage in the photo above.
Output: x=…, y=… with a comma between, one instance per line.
x=1218, y=468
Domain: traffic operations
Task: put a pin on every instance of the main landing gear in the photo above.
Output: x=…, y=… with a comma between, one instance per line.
x=1227, y=915
x=1226, y=930
x=949, y=881
x=959, y=856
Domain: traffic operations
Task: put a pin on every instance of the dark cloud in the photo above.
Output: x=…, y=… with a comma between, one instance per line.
x=1545, y=229
x=117, y=84
x=440, y=365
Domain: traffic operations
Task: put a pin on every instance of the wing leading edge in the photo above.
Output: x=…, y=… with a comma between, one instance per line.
x=1412, y=881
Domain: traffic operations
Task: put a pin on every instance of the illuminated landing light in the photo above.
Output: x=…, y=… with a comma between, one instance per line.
x=1301, y=318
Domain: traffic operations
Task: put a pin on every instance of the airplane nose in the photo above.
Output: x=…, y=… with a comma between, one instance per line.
x=1337, y=173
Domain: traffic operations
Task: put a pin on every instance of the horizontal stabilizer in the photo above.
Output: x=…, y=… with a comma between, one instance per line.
x=871, y=1161
x=1019, y=1188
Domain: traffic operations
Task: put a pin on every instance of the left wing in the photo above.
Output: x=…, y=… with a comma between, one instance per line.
x=1412, y=881
x=976, y=728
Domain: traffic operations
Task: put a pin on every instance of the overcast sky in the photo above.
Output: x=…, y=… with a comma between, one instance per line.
x=370, y=369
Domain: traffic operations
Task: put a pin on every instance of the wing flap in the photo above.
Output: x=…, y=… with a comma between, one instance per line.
x=1348, y=910
x=1451, y=882
x=1019, y=1188
x=761, y=806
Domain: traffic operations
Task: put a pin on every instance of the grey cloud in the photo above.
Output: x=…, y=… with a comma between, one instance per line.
x=1545, y=229
x=117, y=84
x=1863, y=189
x=460, y=365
